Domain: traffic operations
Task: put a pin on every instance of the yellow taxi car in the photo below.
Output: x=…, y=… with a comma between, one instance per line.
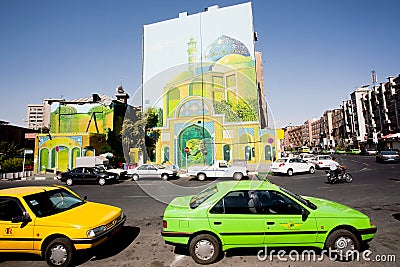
x=54, y=222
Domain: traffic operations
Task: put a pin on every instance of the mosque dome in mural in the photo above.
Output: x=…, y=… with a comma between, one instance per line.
x=226, y=45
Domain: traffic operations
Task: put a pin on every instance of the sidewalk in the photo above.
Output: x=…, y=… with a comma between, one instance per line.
x=37, y=177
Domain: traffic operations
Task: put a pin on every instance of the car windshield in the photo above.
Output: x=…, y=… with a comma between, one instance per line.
x=51, y=202
x=196, y=200
x=99, y=170
x=159, y=166
x=389, y=152
x=306, y=202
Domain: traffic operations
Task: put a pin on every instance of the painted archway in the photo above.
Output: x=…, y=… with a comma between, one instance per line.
x=200, y=145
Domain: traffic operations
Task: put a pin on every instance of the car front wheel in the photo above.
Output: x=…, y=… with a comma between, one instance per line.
x=69, y=181
x=59, y=252
x=102, y=181
x=343, y=243
x=290, y=172
x=164, y=176
x=204, y=249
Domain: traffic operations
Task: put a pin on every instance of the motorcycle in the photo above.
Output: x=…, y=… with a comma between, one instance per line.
x=342, y=177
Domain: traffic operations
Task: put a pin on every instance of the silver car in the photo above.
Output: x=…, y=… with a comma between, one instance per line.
x=151, y=170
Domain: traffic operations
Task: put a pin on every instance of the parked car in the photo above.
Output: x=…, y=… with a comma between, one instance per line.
x=369, y=152
x=304, y=149
x=388, y=156
x=220, y=168
x=87, y=174
x=307, y=157
x=54, y=222
x=152, y=170
x=322, y=161
x=235, y=214
x=354, y=151
x=339, y=151
x=290, y=166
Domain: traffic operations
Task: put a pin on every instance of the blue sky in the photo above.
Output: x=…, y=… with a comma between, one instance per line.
x=315, y=52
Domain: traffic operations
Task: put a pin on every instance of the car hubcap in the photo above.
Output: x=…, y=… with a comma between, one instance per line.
x=204, y=249
x=69, y=182
x=344, y=244
x=58, y=255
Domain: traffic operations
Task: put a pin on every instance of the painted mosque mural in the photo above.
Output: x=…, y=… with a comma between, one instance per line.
x=210, y=103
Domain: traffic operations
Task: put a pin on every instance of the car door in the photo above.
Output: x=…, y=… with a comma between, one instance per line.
x=152, y=171
x=284, y=221
x=77, y=174
x=301, y=165
x=142, y=171
x=18, y=235
x=233, y=219
x=89, y=175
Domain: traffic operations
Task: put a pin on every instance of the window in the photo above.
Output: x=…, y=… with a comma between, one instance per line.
x=230, y=81
x=236, y=202
x=256, y=202
x=52, y=202
x=196, y=200
x=273, y=202
x=9, y=208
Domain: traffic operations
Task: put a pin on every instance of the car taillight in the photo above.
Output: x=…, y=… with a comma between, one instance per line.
x=282, y=164
x=164, y=224
x=320, y=162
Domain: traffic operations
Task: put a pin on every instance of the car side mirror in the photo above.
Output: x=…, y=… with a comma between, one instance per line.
x=23, y=218
x=304, y=214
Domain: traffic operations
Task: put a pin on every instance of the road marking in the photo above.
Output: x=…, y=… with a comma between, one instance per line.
x=355, y=185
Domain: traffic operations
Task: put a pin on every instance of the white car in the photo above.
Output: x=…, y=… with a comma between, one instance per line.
x=322, y=161
x=151, y=170
x=290, y=166
x=307, y=157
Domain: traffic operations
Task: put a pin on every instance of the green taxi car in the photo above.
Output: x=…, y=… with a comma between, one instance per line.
x=252, y=213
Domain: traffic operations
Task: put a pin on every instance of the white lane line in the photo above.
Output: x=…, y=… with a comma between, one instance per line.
x=355, y=185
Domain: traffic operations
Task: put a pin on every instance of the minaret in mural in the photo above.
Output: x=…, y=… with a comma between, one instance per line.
x=192, y=50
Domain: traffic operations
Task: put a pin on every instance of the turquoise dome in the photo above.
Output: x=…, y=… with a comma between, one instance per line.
x=226, y=45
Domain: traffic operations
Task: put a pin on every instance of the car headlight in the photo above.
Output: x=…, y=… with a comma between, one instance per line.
x=95, y=231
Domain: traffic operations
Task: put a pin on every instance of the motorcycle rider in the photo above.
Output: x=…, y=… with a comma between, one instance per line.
x=335, y=167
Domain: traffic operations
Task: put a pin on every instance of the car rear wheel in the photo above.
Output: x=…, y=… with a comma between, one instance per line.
x=164, y=176
x=59, y=252
x=204, y=249
x=312, y=170
x=342, y=242
x=201, y=177
x=290, y=172
x=69, y=181
x=237, y=176
x=101, y=181
x=135, y=177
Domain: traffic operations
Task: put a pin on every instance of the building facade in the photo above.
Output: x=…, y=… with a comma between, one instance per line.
x=211, y=93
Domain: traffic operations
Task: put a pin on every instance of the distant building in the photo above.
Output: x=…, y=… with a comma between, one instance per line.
x=81, y=127
x=15, y=134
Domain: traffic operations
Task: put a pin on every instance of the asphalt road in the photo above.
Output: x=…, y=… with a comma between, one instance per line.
x=374, y=191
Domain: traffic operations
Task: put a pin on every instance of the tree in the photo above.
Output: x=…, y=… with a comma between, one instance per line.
x=139, y=132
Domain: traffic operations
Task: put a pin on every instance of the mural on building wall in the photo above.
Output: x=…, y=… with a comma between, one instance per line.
x=90, y=117
x=199, y=72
